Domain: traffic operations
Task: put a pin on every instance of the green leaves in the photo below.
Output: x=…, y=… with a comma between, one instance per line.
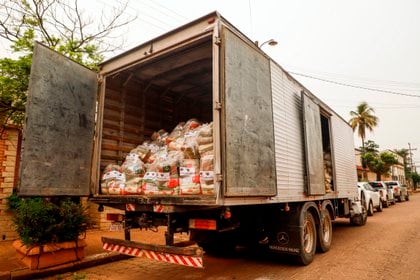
x=60, y=25
x=363, y=119
x=39, y=221
x=14, y=80
x=379, y=163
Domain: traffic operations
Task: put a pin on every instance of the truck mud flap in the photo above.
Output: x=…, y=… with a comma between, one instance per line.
x=181, y=253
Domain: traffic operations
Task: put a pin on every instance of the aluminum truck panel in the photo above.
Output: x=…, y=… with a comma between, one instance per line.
x=60, y=119
x=288, y=134
x=249, y=142
x=344, y=158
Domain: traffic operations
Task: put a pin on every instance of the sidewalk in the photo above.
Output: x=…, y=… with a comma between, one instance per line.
x=12, y=268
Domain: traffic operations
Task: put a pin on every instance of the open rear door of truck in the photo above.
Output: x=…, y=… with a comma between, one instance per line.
x=313, y=146
x=59, y=127
x=250, y=167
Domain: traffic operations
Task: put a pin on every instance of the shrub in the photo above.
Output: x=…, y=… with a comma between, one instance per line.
x=39, y=221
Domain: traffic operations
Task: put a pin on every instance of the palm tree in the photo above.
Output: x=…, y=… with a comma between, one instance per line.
x=363, y=119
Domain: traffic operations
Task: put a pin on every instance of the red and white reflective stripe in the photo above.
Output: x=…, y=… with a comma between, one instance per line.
x=158, y=208
x=130, y=207
x=196, y=262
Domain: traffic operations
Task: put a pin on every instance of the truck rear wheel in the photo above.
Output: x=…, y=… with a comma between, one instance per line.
x=308, y=238
x=325, y=231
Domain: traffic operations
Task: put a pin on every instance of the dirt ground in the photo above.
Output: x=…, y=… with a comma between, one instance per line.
x=387, y=247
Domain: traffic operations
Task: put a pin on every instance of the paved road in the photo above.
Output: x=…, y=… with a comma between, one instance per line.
x=387, y=247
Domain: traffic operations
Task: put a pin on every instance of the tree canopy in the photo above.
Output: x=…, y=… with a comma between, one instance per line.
x=59, y=24
x=380, y=163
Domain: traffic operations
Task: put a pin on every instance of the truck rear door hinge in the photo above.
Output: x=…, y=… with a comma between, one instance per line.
x=218, y=106
x=217, y=40
x=218, y=177
x=100, y=79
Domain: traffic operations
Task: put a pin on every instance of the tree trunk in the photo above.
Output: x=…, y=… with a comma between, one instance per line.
x=378, y=176
x=364, y=175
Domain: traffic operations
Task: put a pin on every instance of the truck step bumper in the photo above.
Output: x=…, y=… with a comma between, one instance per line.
x=187, y=256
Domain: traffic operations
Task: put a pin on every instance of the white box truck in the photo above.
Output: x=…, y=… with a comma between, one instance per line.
x=272, y=141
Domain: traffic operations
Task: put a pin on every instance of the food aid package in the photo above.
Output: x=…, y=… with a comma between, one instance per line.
x=149, y=185
x=205, y=139
x=191, y=124
x=112, y=172
x=114, y=182
x=189, y=177
x=167, y=176
x=143, y=151
x=176, y=133
x=133, y=167
x=159, y=137
x=207, y=174
x=190, y=145
x=133, y=186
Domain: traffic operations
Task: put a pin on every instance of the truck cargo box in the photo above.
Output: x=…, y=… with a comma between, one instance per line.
x=273, y=140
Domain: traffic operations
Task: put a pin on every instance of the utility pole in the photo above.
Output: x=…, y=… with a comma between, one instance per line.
x=411, y=155
x=411, y=161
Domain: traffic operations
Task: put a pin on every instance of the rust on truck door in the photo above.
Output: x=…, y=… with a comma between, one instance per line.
x=248, y=115
x=59, y=128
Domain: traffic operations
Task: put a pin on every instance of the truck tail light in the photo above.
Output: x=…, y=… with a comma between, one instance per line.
x=203, y=224
x=114, y=217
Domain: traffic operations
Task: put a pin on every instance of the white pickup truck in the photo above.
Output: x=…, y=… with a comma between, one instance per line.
x=400, y=191
x=387, y=195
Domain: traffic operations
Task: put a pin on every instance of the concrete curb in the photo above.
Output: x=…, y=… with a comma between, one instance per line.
x=87, y=262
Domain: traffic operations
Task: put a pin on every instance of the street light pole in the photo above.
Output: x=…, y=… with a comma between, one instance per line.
x=271, y=42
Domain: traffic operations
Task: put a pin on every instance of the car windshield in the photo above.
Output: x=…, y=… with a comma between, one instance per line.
x=391, y=183
x=376, y=184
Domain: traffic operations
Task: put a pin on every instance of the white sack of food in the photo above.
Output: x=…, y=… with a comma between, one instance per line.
x=149, y=185
x=189, y=176
x=133, y=166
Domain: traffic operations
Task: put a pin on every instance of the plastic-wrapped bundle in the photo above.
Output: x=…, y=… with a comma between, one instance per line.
x=159, y=155
x=190, y=145
x=167, y=176
x=143, y=151
x=133, y=186
x=176, y=133
x=328, y=172
x=190, y=125
x=189, y=176
x=112, y=174
x=149, y=185
x=207, y=175
x=133, y=167
x=113, y=182
x=159, y=137
x=205, y=139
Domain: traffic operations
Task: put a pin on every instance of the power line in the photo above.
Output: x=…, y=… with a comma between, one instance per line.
x=355, y=79
x=354, y=86
x=172, y=11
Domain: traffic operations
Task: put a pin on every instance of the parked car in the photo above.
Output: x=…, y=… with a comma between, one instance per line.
x=400, y=191
x=387, y=197
x=369, y=197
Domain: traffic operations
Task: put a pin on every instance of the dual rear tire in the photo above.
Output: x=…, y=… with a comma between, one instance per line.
x=313, y=236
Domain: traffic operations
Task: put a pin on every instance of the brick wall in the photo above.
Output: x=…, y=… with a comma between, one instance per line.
x=9, y=163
